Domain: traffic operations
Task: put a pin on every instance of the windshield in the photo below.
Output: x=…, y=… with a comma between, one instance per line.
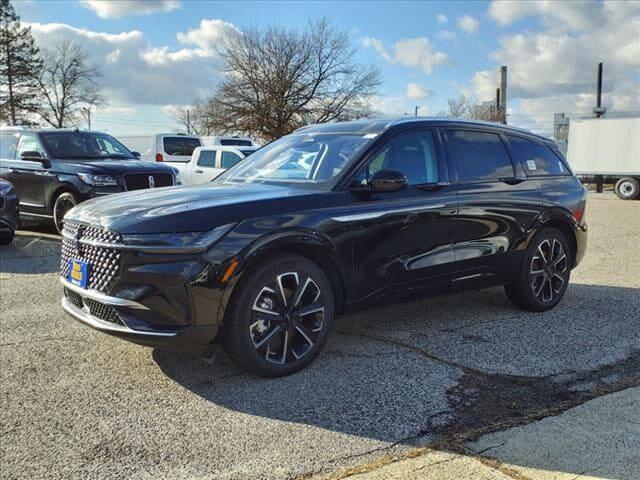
x=84, y=146
x=309, y=159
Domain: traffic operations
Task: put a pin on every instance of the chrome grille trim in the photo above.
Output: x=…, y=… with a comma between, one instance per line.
x=97, y=247
x=101, y=297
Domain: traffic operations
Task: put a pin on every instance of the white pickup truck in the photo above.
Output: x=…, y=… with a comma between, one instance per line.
x=208, y=162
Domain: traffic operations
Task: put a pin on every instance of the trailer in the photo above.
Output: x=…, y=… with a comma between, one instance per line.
x=607, y=150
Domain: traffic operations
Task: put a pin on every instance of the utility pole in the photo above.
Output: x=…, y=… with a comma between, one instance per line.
x=188, y=123
x=503, y=92
x=416, y=112
x=599, y=110
x=497, y=102
x=87, y=110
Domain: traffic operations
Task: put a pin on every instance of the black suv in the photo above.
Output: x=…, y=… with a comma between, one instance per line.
x=53, y=170
x=330, y=219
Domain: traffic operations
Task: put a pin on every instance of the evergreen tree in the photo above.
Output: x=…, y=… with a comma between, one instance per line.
x=20, y=66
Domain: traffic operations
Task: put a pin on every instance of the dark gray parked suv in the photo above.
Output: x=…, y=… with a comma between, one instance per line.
x=53, y=170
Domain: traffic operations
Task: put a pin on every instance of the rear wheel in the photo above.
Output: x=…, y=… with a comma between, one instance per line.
x=7, y=237
x=280, y=317
x=627, y=188
x=544, y=275
x=63, y=203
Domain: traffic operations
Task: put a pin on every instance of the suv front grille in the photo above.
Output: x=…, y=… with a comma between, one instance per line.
x=103, y=262
x=99, y=310
x=139, y=181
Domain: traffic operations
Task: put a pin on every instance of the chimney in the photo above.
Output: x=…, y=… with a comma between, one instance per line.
x=503, y=92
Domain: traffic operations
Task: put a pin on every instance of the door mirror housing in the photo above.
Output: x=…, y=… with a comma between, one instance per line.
x=387, y=181
x=136, y=154
x=35, y=156
x=31, y=155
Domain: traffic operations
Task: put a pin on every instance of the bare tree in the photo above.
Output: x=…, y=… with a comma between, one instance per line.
x=195, y=119
x=276, y=80
x=67, y=84
x=467, y=107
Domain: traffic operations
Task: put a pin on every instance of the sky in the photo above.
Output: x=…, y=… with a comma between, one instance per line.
x=159, y=54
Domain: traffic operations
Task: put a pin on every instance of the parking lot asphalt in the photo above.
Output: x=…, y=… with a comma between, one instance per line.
x=76, y=403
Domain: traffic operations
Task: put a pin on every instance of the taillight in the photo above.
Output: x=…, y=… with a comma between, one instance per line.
x=159, y=157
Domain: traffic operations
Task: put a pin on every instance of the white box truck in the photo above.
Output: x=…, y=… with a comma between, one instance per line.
x=607, y=150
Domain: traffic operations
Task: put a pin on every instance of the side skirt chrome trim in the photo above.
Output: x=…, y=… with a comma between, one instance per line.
x=101, y=297
x=95, y=322
x=35, y=215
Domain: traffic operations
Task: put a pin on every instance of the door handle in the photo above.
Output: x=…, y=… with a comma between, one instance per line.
x=198, y=171
x=512, y=180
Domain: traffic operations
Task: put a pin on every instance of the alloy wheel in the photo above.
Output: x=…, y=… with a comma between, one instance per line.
x=548, y=270
x=287, y=318
x=62, y=206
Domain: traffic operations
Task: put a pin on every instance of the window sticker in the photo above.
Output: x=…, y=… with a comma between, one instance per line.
x=370, y=135
x=531, y=165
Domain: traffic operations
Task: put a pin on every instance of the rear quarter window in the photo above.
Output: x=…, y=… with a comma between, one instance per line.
x=536, y=158
x=182, y=146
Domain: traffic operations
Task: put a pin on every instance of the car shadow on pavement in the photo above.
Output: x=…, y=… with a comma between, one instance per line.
x=31, y=252
x=443, y=367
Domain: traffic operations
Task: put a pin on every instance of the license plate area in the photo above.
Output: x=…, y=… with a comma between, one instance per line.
x=78, y=273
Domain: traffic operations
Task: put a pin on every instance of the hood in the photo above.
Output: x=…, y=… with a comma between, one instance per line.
x=114, y=167
x=5, y=186
x=185, y=209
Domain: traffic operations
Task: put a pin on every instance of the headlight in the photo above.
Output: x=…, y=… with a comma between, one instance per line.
x=178, y=177
x=187, y=242
x=98, y=180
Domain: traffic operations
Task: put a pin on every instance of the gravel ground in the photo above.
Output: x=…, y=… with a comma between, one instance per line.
x=75, y=403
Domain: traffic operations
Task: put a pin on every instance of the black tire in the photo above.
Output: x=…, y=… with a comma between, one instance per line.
x=627, y=188
x=61, y=205
x=259, y=324
x=544, y=274
x=7, y=238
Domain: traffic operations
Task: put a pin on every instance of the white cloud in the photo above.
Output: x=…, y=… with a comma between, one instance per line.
x=377, y=45
x=553, y=69
x=415, y=91
x=446, y=35
x=135, y=72
x=208, y=34
x=413, y=52
x=577, y=15
x=121, y=8
x=468, y=24
x=390, y=106
x=118, y=111
x=442, y=19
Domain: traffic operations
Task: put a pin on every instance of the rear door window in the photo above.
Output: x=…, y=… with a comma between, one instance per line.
x=479, y=155
x=207, y=158
x=536, y=157
x=180, y=146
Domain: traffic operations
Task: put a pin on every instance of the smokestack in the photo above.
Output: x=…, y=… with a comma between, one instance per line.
x=503, y=92
x=599, y=111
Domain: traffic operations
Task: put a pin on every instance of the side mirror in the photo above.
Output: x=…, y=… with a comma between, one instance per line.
x=136, y=154
x=34, y=156
x=31, y=156
x=387, y=181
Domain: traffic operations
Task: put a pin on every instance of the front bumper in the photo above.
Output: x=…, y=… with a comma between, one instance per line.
x=146, y=324
x=9, y=213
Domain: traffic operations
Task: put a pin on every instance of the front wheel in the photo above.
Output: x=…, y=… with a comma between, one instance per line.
x=280, y=317
x=63, y=203
x=544, y=274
